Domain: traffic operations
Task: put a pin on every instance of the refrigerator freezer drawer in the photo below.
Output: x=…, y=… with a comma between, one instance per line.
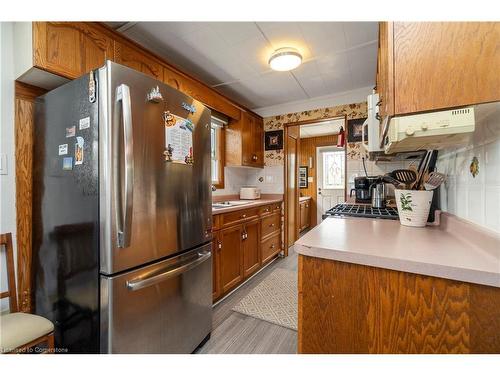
x=165, y=307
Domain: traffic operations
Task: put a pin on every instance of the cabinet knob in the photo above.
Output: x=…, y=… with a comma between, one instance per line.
x=255, y=157
x=272, y=246
x=271, y=225
x=219, y=244
x=244, y=216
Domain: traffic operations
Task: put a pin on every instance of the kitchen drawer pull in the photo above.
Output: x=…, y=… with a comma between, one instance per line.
x=271, y=225
x=145, y=281
x=244, y=216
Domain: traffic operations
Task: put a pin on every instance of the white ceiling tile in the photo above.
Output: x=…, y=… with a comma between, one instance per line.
x=334, y=65
x=336, y=84
x=323, y=38
x=255, y=52
x=314, y=86
x=360, y=32
x=363, y=64
x=235, y=32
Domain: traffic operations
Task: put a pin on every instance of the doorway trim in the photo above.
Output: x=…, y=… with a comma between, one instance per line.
x=285, y=151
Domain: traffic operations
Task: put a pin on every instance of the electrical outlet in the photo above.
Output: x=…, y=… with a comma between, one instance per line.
x=3, y=163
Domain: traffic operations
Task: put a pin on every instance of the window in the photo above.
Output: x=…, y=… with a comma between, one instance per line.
x=333, y=169
x=217, y=151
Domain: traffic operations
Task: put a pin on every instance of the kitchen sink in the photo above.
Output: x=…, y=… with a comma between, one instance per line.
x=229, y=204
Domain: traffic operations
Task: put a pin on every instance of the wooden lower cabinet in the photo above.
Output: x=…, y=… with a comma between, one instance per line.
x=247, y=239
x=351, y=308
x=270, y=247
x=305, y=215
x=251, y=247
x=231, y=257
x=216, y=246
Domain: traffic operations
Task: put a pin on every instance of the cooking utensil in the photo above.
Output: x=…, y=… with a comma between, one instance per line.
x=434, y=180
x=391, y=180
x=422, y=167
x=406, y=176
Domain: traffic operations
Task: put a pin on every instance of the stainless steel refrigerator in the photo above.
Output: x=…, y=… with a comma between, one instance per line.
x=122, y=215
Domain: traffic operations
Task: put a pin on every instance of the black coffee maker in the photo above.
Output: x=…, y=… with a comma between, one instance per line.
x=362, y=188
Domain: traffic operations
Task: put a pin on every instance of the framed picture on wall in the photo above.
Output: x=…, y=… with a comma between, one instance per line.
x=355, y=130
x=303, y=175
x=273, y=140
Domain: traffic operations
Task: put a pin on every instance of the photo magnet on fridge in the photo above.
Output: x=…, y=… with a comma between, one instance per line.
x=84, y=123
x=63, y=149
x=79, y=150
x=71, y=131
x=67, y=164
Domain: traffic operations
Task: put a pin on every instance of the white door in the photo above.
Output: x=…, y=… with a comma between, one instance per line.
x=330, y=178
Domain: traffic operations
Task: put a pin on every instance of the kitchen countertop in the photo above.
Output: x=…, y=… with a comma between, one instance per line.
x=265, y=199
x=456, y=250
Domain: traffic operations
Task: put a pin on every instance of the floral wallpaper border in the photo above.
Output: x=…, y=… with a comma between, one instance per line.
x=352, y=111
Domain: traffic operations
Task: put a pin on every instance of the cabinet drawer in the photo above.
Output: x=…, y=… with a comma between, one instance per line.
x=238, y=216
x=264, y=210
x=276, y=207
x=270, y=248
x=270, y=224
x=215, y=222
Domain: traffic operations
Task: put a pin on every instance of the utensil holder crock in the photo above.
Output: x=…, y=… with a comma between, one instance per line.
x=413, y=206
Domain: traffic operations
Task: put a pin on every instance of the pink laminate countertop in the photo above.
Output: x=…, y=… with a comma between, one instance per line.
x=456, y=250
x=250, y=204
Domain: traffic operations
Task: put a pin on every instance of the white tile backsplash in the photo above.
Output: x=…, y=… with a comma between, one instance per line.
x=476, y=199
x=236, y=177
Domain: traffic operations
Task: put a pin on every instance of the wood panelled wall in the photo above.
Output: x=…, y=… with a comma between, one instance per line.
x=308, y=149
x=23, y=132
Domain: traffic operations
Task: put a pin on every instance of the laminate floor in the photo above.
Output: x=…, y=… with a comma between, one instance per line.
x=235, y=333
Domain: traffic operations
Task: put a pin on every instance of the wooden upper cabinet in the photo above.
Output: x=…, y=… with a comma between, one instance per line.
x=135, y=59
x=385, y=66
x=426, y=66
x=70, y=49
x=245, y=141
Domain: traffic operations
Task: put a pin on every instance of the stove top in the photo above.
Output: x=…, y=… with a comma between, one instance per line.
x=363, y=210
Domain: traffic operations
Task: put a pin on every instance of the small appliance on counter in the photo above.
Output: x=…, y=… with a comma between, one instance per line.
x=362, y=188
x=249, y=192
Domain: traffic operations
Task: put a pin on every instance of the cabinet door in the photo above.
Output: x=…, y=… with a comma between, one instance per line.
x=251, y=247
x=258, y=142
x=445, y=64
x=138, y=60
x=247, y=148
x=385, y=69
x=307, y=214
x=231, y=257
x=216, y=246
x=302, y=215
x=70, y=49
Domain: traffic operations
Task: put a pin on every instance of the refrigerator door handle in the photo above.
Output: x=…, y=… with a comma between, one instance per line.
x=148, y=280
x=124, y=205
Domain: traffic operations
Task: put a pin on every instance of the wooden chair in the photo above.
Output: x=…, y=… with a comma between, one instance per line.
x=19, y=332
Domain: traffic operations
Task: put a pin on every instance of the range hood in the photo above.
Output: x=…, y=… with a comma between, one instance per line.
x=429, y=131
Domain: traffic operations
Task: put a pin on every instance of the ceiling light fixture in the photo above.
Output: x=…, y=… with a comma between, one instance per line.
x=285, y=59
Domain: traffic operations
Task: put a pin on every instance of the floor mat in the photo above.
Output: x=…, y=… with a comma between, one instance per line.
x=273, y=300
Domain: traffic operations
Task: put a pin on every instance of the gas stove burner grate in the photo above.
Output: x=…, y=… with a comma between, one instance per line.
x=363, y=210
